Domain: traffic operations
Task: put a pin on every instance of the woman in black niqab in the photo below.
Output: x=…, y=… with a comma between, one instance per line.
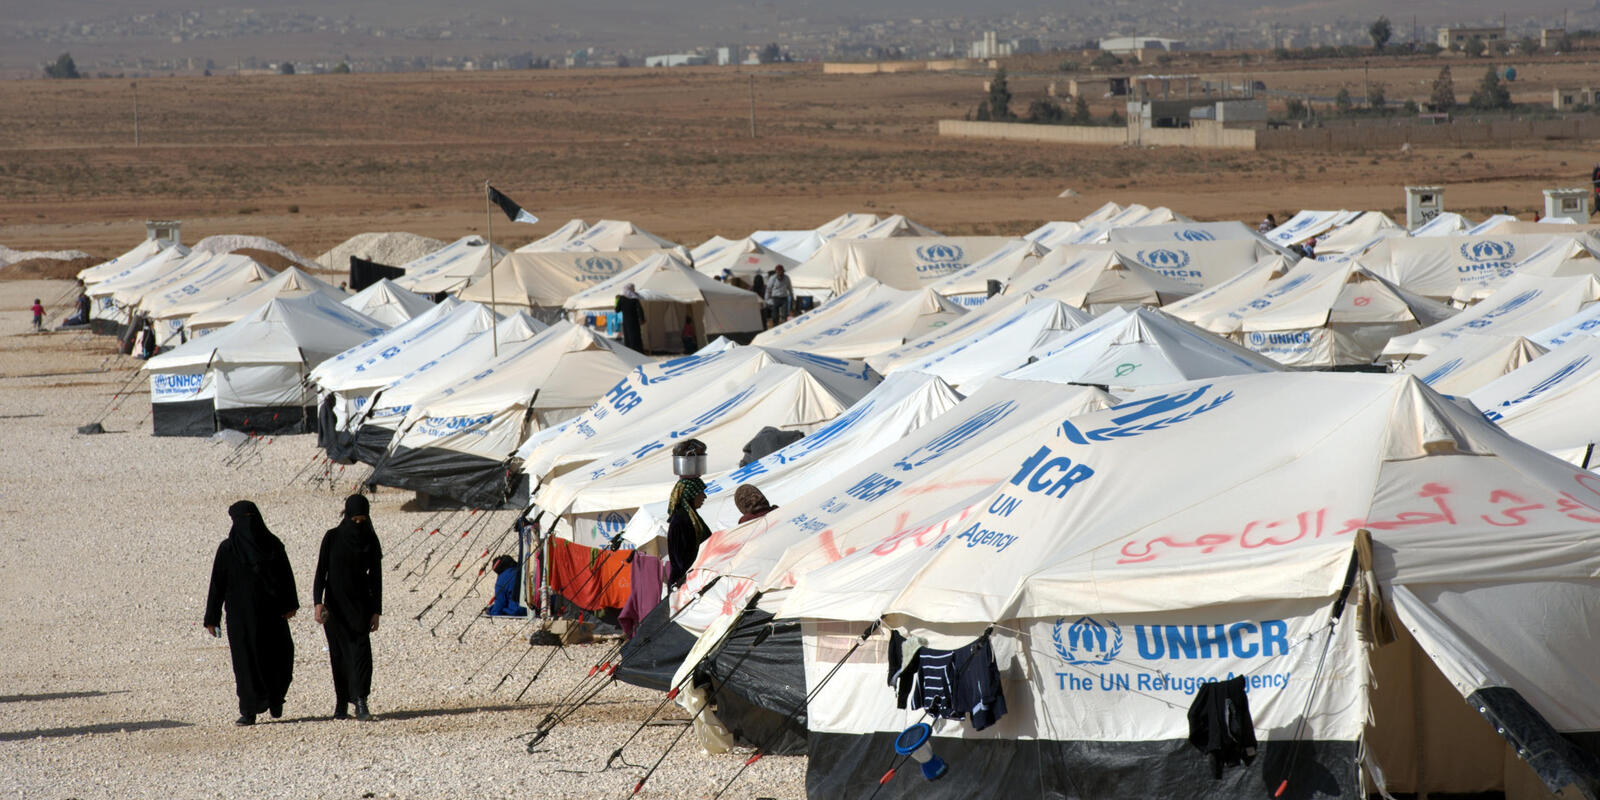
x=348, y=592
x=251, y=579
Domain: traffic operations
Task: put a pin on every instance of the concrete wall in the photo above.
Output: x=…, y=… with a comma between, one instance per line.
x=1202, y=134
x=875, y=67
x=1458, y=134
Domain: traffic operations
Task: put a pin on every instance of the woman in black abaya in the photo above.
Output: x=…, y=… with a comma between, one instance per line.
x=251, y=578
x=686, y=531
x=348, y=592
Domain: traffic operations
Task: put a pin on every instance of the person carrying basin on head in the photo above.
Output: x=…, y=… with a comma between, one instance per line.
x=685, y=529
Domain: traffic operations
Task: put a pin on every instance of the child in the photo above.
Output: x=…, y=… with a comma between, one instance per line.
x=38, y=315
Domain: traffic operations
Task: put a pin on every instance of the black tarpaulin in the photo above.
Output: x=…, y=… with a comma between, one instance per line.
x=370, y=443
x=1560, y=760
x=364, y=273
x=471, y=480
x=760, y=688
x=656, y=650
x=185, y=418
x=266, y=420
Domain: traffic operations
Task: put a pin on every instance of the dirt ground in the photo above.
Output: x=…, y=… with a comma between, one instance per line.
x=312, y=160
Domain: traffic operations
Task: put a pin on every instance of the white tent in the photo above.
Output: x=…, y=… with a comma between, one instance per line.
x=289, y=283
x=634, y=467
x=1359, y=234
x=1195, y=265
x=1109, y=210
x=1210, y=308
x=903, y=262
x=744, y=258
x=799, y=245
x=867, y=320
x=1443, y=267
x=217, y=280
x=252, y=371
x=655, y=391
x=1306, y=224
x=1561, y=257
x=890, y=412
x=1005, y=340
x=1469, y=362
x=1550, y=402
x=1325, y=314
x=456, y=442
x=151, y=272
x=1491, y=225
x=671, y=291
x=1583, y=323
x=382, y=415
x=450, y=268
x=1521, y=306
x=609, y=235
x=1122, y=350
x=119, y=266
x=1364, y=553
x=556, y=239
x=994, y=312
x=1186, y=232
x=970, y=287
x=1053, y=234
x=388, y=303
x=890, y=227
x=539, y=282
x=1095, y=279
x=1446, y=223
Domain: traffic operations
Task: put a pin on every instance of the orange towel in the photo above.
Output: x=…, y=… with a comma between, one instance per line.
x=591, y=579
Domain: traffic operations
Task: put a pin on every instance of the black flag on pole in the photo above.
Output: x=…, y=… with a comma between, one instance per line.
x=513, y=211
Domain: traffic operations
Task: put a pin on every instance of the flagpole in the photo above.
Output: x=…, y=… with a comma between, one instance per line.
x=488, y=215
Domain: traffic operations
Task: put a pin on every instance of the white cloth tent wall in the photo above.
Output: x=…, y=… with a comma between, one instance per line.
x=1521, y=306
x=255, y=367
x=1359, y=234
x=381, y=416
x=1583, y=323
x=289, y=283
x=1006, y=341
x=609, y=235
x=993, y=312
x=1306, y=224
x=220, y=279
x=800, y=245
x=969, y=287
x=450, y=268
x=386, y=302
x=1471, y=361
x=1446, y=267
x=670, y=290
x=539, y=282
x=745, y=258
x=1124, y=350
x=1053, y=234
x=1186, y=232
x=1095, y=278
x=1278, y=485
x=1211, y=308
x=1490, y=226
x=891, y=411
x=456, y=442
x=1561, y=257
x=1550, y=402
x=147, y=273
x=903, y=262
x=119, y=266
x=1446, y=223
x=636, y=468
x=1195, y=265
x=868, y=320
x=1326, y=314
x=556, y=239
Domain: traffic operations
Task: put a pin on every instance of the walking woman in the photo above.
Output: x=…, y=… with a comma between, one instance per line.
x=251, y=578
x=348, y=592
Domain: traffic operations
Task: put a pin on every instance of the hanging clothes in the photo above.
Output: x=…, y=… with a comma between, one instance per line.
x=588, y=578
x=949, y=684
x=1220, y=725
x=648, y=577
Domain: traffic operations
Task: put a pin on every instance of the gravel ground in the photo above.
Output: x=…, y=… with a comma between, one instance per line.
x=110, y=687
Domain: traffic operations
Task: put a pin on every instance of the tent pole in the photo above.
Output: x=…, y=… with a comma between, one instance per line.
x=488, y=216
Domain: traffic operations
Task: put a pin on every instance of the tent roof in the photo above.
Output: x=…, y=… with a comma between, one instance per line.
x=981, y=320
x=1053, y=234
x=1523, y=305
x=1445, y=267
x=1446, y=223
x=1316, y=293
x=970, y=286
x=1359, y=234
x=135, y=256
x=1004, y=340
x=388, y=303
x=132, y=282
x=450, y=268
x=1095, y=277
x=1211, y=308
x=1306, y=224
x=1267, y=479
x=1187, y=233
x=1550, y=401
x=743, y=257
x=392, y=354
x=217, y=280
x=305, y=329
x=423, y=377
x=663, y=278
x=892, y=410
x=547, y=279
x=613, y=234
x=892, y=226
x=1470, y=361
x=903, y=262
x=291, y=282
x=867, y=320
x=556, y=239
x=1123, y=350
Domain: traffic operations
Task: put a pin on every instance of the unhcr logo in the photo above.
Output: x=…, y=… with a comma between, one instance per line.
x=940, y=258
x=1442, y=370
x=1162, y=259
x=1193, y=235
x=599, y=265
x=1488, y=251
x=954, y=438
x=1088, y=641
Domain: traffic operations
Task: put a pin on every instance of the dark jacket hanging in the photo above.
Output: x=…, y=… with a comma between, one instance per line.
x=1220, y=724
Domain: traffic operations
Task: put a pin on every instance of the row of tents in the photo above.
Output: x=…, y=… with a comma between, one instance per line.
x=1105, y=461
